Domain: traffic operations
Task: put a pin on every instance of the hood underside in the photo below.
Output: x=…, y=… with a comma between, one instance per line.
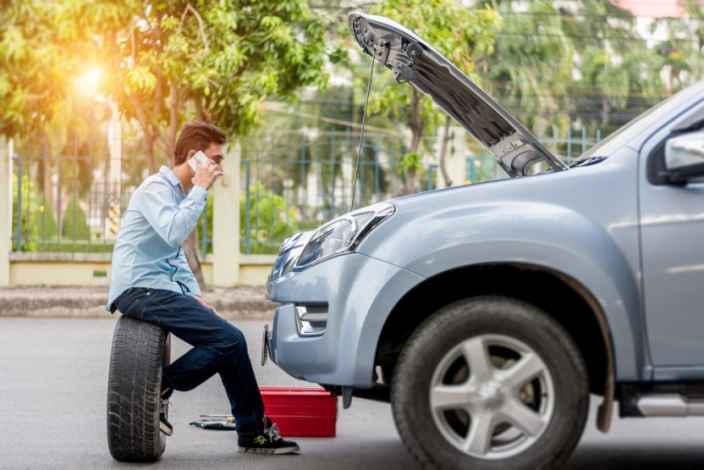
x=414, y=61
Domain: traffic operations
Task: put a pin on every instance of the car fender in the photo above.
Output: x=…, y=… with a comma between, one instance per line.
x=547, y=236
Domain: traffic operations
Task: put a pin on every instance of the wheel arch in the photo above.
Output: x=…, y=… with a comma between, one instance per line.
x=522, y=281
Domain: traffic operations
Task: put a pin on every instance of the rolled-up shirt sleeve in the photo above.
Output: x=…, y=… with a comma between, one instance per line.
x=171, y=220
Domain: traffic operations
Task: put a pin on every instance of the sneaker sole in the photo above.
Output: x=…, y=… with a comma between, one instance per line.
x=280, y=451
x=166, y=429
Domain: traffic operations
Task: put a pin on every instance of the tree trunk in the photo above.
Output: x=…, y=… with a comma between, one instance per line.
x=149, y=144
x=416, y=126
x=47, y=172
x=190, y=246
x=443, y=152
x=171, y=133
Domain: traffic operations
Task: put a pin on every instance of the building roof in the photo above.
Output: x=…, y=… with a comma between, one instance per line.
x=653, y=8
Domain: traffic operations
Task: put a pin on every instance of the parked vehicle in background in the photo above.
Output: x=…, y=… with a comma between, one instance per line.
x=487, y=314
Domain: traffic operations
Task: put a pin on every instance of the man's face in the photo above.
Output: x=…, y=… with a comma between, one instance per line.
x=215, y=153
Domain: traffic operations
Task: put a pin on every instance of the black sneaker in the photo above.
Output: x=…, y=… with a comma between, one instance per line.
x=164, y=425
x=267, y=442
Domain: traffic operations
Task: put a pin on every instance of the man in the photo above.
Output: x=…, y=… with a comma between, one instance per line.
x=152, y=282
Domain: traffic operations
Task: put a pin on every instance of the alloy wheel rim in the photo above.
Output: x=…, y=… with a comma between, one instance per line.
x=492, y=396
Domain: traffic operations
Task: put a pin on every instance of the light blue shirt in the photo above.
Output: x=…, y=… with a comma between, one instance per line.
x=148, y=251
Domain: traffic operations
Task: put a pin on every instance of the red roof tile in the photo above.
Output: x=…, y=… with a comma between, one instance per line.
x=654, y=8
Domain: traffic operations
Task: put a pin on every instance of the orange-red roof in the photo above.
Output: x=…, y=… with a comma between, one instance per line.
x=654, y=8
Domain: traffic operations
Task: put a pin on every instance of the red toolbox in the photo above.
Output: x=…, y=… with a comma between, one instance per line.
x=301, y=412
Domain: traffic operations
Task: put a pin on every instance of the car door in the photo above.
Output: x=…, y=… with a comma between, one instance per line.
x=672, y=254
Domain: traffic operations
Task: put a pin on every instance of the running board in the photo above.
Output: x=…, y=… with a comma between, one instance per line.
x=669, y=405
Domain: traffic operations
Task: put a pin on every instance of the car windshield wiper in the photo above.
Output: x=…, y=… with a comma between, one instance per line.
x=586, y=161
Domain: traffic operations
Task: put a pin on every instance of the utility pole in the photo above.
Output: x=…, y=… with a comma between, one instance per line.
x=114, y=171
x=5, y=210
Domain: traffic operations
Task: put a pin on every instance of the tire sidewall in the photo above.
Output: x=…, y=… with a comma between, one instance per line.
x=489, y=315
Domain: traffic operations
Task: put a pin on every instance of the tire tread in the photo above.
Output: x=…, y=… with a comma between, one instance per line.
x=134, y=386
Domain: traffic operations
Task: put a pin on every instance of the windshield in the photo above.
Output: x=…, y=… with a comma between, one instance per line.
x=630, y=130
x=618, y=138
x=603, y=148
x=644, y=121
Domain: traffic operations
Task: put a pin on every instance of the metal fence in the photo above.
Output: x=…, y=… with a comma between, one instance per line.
x=72, y=204
x=64, y=204
x=299, y=183
x=290, y=181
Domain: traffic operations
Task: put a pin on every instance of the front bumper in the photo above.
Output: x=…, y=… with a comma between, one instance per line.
x=358, y=292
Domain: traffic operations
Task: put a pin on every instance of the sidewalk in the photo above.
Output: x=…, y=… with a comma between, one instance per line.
x=88, y=302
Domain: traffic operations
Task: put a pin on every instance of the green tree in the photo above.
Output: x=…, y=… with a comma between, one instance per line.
x=555, y=64
x=530, y=46
x=32, y=219
x=271, y=221
x=216, y=61
x=164, y=62
x=42, y=52
x=681, y=52
x=436, y=21
x=31, y=67
x=696, y=36
x=47, y=226
x=619, y=73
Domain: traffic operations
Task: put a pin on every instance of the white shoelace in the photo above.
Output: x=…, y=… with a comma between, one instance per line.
x=273, y=432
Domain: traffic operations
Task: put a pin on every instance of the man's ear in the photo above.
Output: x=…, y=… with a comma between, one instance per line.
x=190, y=154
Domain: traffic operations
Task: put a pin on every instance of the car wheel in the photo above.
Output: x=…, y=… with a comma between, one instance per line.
x=490, y=383
x=139, y=350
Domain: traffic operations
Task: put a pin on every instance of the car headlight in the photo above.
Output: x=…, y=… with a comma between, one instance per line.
x=343, y=234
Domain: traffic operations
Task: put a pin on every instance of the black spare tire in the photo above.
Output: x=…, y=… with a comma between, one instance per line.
x=139, y=351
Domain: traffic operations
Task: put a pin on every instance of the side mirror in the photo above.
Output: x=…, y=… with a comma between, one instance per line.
x=684, y=158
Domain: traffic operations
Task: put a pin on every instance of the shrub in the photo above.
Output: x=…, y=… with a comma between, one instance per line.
x=29, y=231
x=75, y=225
x=36, y=224
x=270, y=221
x=45, y=221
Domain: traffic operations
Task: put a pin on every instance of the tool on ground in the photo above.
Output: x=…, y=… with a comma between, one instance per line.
x=215, y=422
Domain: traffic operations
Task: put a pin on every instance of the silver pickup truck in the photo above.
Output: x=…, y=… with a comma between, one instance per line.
x=487, y=314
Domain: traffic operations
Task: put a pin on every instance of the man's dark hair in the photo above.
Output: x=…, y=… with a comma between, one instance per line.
x=196, y=135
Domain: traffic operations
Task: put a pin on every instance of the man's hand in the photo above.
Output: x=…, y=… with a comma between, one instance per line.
x=202, y=301
x=206, y=175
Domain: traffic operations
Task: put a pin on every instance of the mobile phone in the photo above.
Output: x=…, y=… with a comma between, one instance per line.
x=198, y=160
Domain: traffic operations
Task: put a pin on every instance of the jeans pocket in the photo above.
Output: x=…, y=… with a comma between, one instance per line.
x=144, y=302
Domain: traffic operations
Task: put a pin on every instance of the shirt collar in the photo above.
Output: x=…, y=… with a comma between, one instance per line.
x=168, y=174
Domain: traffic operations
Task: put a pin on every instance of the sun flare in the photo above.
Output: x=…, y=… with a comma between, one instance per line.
x=88, y=83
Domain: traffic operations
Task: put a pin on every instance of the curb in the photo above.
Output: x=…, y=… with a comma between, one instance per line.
x=241, y=303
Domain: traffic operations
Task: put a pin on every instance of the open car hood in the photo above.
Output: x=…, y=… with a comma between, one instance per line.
x=413, y=60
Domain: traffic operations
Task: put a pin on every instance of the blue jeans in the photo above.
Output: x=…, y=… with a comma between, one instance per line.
x=218, y=347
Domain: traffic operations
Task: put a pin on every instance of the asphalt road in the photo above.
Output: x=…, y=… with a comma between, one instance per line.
x=53, y=375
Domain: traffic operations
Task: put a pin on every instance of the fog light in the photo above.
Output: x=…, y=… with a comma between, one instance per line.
x=311, y=320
